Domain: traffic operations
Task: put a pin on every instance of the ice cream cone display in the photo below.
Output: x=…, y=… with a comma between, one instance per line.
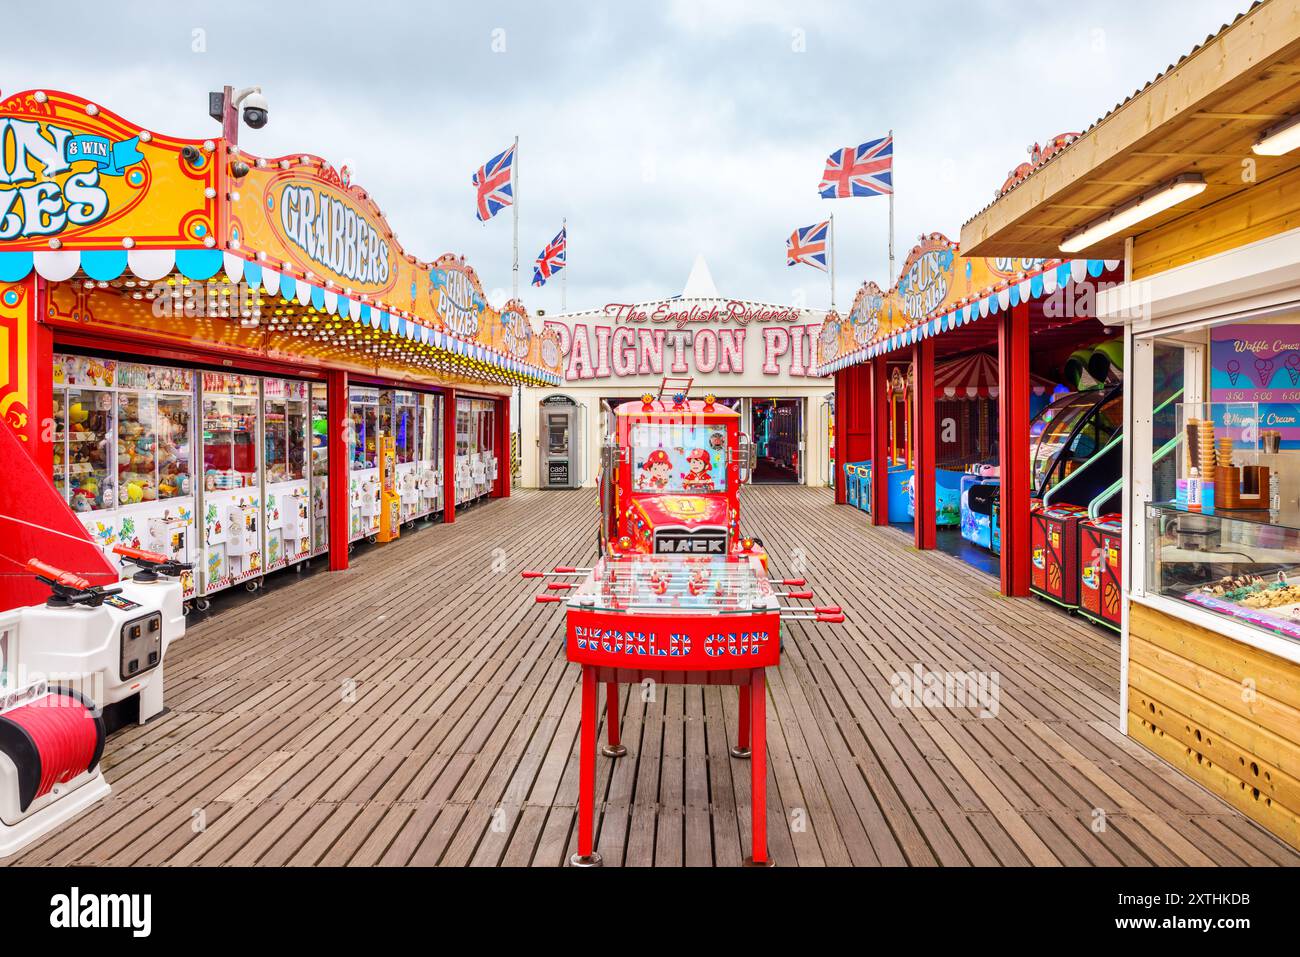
x=1200, y=445
x=1245, y=487
x=1225, y=451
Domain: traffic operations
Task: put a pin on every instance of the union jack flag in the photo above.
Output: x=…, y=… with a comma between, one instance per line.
x=867, y=170
x=551, y=259
x=807, y=244
x=493, y=185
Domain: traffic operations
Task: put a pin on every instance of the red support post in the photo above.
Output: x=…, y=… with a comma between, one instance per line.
x=614, y=747
x=1013, y=448
x=758, y=765
x=339, y=466
x=505, y=458
x=449, y=456
x=841, y=428
x=879, y=441
x=923, y=441
x=587, y=770
x=742, y=748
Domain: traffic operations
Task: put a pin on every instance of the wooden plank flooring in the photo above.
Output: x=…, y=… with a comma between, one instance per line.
x=417, y=709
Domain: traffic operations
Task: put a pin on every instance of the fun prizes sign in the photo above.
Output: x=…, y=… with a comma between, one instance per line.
x=1260, y=362
x=75, y=176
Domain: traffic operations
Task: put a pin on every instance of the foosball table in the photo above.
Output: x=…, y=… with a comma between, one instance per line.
x=675, y=620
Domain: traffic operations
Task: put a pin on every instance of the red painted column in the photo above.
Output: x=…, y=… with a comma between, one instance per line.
x=449, y=456
x=40, y=372
x=1013, y=447
x=339, y=465
x=841, y=427
x=879, y=441
x=923, y=441
x=502, y=487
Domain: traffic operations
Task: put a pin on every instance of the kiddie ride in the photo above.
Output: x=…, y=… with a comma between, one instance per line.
x=87, y=648
x=678, y=596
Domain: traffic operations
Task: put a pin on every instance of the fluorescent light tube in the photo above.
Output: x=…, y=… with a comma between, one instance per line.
x=1280, y=139
x=1177, y=190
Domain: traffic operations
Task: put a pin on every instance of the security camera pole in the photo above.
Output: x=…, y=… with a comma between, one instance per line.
x=224, y=108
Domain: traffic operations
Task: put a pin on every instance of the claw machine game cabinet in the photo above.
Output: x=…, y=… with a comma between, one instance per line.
x=428, y=466
x=363, y=476
x=123, y=455
x=320, y=469
x=229, y=406
x=404, y=427
x=285, y=437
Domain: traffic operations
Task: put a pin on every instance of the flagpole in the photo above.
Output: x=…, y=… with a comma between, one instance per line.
x=892, y=277
x=514, y=173
x=832, y=238
x=564, y=279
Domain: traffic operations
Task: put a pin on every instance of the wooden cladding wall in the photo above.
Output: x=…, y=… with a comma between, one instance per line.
x=1224, y=713
x=1265, y=209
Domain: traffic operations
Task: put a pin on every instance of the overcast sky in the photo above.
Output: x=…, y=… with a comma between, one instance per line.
x=661, y=130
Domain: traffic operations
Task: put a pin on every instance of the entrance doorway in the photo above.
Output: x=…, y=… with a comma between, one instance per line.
x=777, y=427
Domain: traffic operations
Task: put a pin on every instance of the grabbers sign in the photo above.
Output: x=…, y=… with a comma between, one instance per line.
x=712, y=338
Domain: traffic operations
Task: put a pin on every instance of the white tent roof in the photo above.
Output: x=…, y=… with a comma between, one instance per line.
x=699, y=284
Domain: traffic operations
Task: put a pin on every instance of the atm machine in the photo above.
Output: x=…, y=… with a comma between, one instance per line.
x=560, y=442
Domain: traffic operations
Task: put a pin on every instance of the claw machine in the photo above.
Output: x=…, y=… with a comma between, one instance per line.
x=320, y=469
x=285, y=438
x=400, y=418
x=428, y=466
x=123, y=454
x=363, y=473
x=231, y=498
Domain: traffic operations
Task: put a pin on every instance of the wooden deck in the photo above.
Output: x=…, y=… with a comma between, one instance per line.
x=418, y=709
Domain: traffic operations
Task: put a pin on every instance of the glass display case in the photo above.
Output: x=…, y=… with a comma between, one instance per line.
x=364, y=411
x=320, y=457
x=83, y=427
x=1242, y=564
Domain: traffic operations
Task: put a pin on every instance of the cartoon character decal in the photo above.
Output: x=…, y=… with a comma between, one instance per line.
x=655, y=472
x=697, y=477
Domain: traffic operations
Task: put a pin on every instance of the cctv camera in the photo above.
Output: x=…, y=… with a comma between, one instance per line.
x=256, y=112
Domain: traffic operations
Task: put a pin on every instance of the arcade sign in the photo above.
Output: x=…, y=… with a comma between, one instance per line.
x=73, y=176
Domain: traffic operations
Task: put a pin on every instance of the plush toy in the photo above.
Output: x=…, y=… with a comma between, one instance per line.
x=133, y=493
x=82, y=500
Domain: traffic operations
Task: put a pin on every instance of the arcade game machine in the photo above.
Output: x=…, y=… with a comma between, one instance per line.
x=678, y=595
x=320, y=461
x=363, y=474
x=229, y=407
x=670, y=478
x=123, y=454
x=285, y=431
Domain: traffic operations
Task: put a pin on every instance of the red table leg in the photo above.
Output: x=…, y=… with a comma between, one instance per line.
x=741, y=748
x=614, y=749
x=586, y=856
x=758, y=770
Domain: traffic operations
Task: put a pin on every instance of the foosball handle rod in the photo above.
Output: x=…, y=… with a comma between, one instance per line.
x=829, y=610
x=543, y=599
x=825, y=619
x=559, y=586
x=804, y=595
x=554, y=574
x=569, y=570
x=792, y=582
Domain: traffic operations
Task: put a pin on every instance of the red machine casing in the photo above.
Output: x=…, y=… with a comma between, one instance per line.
x=673, y=642
x=1100, y=552
x=641, y=518
x=1054, y=551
